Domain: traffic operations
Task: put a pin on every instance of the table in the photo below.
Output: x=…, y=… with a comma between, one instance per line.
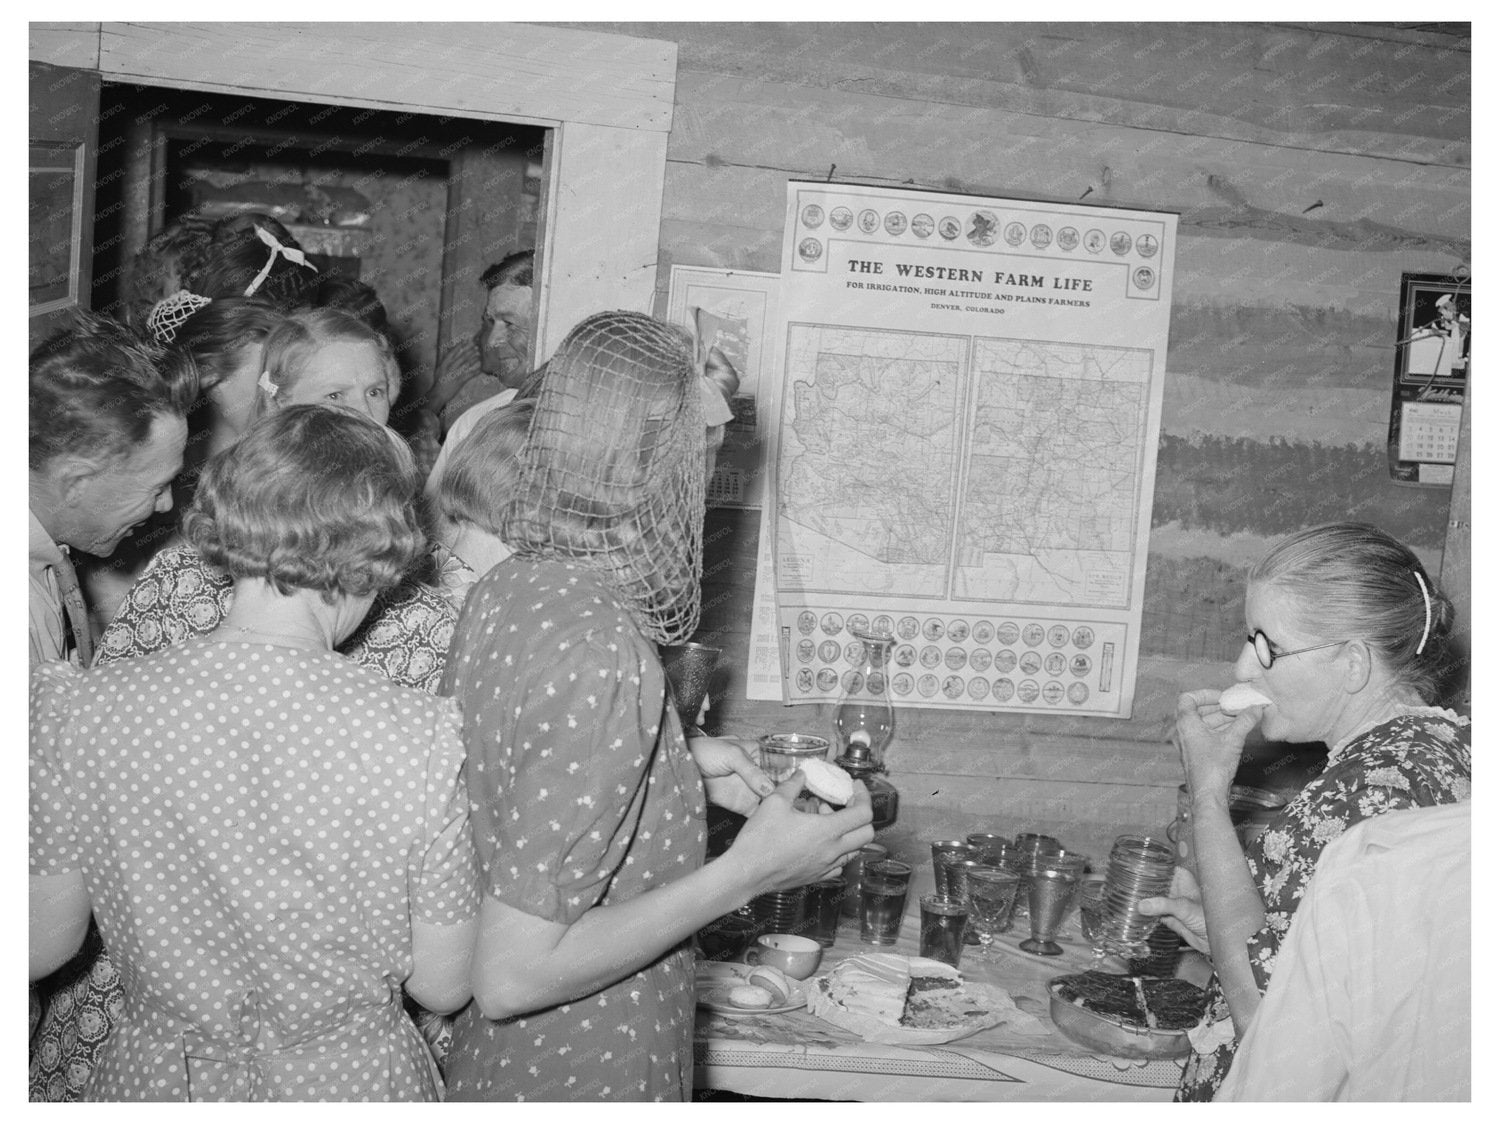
x=800, y=1056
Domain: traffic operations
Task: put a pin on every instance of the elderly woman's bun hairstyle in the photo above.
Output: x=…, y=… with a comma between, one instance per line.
x=310, y=498
x=1354, y=581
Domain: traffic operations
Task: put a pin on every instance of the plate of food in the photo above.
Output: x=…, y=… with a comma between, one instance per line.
x=739, y=989
x=912, y=1000
x=1126, y=1016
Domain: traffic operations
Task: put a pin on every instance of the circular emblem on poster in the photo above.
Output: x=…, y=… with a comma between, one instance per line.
x=1052, y=693
x=806, y=650
x=949, y=228
x=904, y=655
x=983, y=227
x=907, y=627
x=978, y=688
x=854, y=652
x=901, y=684
x=1031, y=663
x=953, y=686
x=1080, y=665
x=958, y=631
x=1146, y=245
x=1005, y=661
x=955, y=658
x=805, y=680
x=1144, y=277
x=833, y=624
x=930, y=656
x=1027, y=691
x=1057, y=635
x=812, y=216
x=1093, y=241
x=921, y=225
x=895, y=223
x=1120, y=243
x=932, y=629
x=980, y=659
x=828, y=651
x=852, y=683
x=882, y=625
x=1067, y=238
x=1078, y=693
x=1007, y=632
x=1003, y=689
x=806, y=622
x=841, y=219
x=1033, y=635
x=984, y=632
x=1083, y=636
x=1056, y=663
x=810, y=249
x=869, y=221
x=858, y=622
x=927, y=686
x=1015, y=233
x=828, y=679
x=1041, y=236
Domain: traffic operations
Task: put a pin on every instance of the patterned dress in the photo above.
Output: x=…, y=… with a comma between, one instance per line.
x=179, y=596
x=582, y=793
x=1418, y=759
x=257, y=827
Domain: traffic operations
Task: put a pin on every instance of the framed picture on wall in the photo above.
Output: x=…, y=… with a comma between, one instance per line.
x=1431, y=375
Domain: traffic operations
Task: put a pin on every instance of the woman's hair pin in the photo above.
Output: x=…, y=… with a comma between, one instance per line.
x=171, y=313
x=265, y=383
x=1427, y=608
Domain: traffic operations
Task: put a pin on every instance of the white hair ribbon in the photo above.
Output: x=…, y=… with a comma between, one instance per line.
x=265, y=383
x=296, y=257
x=1427, y=608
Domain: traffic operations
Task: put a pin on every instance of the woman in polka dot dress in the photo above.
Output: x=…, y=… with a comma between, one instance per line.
x=272, y=839
x=588, y=807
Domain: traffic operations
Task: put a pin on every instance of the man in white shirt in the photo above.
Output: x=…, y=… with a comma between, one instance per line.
x=106, y=435
x=1370, y=998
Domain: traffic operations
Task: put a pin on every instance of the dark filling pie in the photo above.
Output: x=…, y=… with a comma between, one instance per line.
x=1176, y=1004
x=937, y=1001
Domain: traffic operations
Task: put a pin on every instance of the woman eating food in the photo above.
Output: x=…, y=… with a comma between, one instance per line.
x=1348, y=646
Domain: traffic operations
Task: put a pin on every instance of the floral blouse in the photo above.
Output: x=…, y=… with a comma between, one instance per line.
x=404, y=638
x=1419, y=759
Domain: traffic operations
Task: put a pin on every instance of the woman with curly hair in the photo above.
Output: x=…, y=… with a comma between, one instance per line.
x=272, y=839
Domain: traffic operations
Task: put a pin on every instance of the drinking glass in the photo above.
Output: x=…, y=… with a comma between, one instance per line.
x=992, y=848
x=1050, y=892
x=992, y=895
x=821, y=910
x=882, y=900
x=1139, y=867
x=944, y=852
x=943, y=923
x=854, y=871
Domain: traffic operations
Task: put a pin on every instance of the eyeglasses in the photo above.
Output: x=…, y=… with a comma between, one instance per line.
x=1264, y=654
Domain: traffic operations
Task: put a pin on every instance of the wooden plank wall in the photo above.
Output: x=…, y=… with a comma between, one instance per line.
x=1311, y=165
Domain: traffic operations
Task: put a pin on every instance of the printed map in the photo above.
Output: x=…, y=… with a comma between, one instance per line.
x=1037, y=447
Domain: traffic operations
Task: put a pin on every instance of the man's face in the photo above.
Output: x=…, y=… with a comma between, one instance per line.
x=125, y=492
x=505, y=336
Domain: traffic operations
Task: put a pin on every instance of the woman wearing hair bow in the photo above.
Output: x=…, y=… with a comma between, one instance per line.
x=1348, y=646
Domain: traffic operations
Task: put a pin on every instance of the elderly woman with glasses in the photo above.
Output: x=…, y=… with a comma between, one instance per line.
x=1347, y=646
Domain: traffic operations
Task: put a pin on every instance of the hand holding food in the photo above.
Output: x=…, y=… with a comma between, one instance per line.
x=1210, y=741
x=1241, y=697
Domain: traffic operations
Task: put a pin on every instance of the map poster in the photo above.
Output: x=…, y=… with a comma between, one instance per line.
x=968, y=400
x=731, y=309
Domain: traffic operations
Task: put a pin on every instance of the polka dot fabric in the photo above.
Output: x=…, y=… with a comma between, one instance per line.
x=582, y=793
x=256, y=826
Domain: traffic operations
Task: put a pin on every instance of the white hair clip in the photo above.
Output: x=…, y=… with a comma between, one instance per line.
x=1427, y=608
x=171, y=313
x=265, y=383
x=296, y=257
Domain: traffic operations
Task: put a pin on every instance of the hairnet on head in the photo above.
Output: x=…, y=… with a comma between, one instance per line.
x=612, y=474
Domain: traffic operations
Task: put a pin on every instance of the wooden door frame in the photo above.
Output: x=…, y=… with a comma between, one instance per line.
x=606, y=101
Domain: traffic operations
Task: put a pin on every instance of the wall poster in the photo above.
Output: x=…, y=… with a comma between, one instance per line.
x=1432, y=371
x=968, y=396
x=732, y=310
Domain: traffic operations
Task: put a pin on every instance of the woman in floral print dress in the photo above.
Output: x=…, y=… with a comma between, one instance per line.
x=1349, y=642
x=588, y=808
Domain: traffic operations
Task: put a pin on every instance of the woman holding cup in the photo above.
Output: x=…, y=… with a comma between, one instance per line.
x=1347, y=646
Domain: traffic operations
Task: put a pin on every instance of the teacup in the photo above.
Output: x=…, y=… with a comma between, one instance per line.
x=797, y=957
